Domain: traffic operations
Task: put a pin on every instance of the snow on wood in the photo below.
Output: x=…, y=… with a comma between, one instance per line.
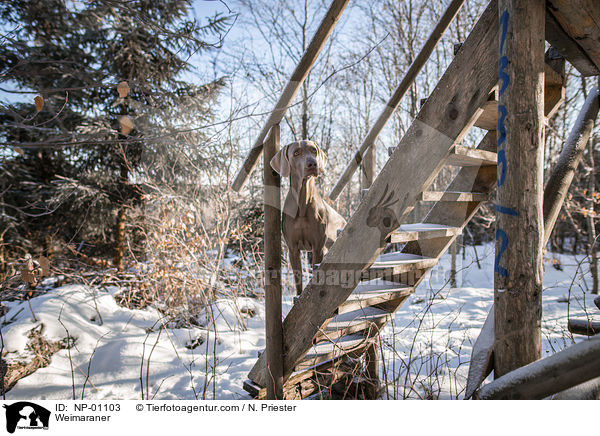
x=481, y=356
x=542, y=378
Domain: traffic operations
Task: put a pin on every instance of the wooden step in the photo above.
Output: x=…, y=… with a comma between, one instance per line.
x=353, y=322
x=419, y=231
x=374, y=292
x=352, y=345
x=453, y=196
x=395, y=264
x=471, y=157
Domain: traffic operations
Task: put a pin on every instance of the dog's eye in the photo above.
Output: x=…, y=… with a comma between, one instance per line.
x=297, y=153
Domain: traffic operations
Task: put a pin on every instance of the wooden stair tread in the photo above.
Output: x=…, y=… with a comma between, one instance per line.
x=358, y=316
x=453, y=196
x=353, y=344
x=418, y=231
x=392, y=264
x=372, y=292
x=466, y=157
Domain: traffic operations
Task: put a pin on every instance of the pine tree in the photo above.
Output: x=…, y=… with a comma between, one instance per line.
x=109, y=100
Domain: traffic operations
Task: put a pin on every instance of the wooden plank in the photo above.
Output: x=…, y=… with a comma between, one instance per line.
x=535, y=381
x=442, y=120
x=420, y=231
x=554, y=91
x=520, y=222
x=584, y=327
x=453, y=196
x=291, y=89
x=489, y=116
x=580, y=20
x=396, y=98
x=374, y=292
x=563, y=172
x=272, y=243
x=466, y=156
x=568, y=47
x=353, y=322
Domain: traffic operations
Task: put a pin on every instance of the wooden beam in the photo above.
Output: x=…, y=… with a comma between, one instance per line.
x=399, y=93
x=558, y=184
x=518, y=268
x=445, y=118
x=580, y=20
x=285, y=100
x=272, y=242
x=569, y=367
x=584, y=327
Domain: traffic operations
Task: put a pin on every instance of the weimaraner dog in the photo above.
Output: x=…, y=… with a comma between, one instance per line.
x=308, y=222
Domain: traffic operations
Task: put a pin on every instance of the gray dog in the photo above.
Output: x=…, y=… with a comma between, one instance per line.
x=308, y=222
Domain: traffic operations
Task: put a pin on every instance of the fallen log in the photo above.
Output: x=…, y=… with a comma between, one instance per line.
x=584, y=327
x=540, y=379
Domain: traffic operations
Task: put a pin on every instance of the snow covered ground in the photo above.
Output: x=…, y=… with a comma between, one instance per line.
x=131, y=354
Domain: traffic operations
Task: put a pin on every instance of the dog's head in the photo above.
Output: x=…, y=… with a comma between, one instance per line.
x=303, y=158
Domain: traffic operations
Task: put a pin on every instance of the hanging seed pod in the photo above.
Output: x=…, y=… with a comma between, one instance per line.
x=123, y=89
x=126, y=124
x=39, y=103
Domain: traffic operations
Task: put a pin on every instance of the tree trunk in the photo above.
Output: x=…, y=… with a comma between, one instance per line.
x=520, y=225
x=121, y=217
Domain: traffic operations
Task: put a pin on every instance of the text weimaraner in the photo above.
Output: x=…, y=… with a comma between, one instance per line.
x=308, y=222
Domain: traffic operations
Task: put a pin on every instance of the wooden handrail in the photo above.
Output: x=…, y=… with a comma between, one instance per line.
x=396, y=98
x=291, y=89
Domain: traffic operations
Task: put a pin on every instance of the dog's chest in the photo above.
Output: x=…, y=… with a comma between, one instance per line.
x=307, y=232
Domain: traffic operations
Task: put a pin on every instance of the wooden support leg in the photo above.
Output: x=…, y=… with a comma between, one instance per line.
x=520, y=224
x=272, y=239
x=372, y=370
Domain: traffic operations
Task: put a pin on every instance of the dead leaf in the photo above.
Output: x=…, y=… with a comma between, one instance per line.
x=39, y=103
x=20, y=151
x=123, y=89
x=45, y=265
x=126, y=124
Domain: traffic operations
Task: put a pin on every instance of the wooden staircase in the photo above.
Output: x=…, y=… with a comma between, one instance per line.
x=333, y=323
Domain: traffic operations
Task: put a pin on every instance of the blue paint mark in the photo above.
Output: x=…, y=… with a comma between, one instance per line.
x=506, y=210
x=500, y=270
x=501, y=162
x=503, y=29
x=500, y=125
x=502, y=75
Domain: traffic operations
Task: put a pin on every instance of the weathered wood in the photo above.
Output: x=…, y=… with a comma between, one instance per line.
x=372, y=371
x=451, y=196
x=569, y=367
x=568, y=47
x=272, y=243
x=583, y=327
x=421, y=231
x=519, y=224
x=444, y=119
x=589, y=390
x=580, y=20
x=466, y=156
x=481, y=362
x=291, y=89
x=396, y=98
x=558, y=184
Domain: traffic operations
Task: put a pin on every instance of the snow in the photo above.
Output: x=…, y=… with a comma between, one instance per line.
x=121, y=353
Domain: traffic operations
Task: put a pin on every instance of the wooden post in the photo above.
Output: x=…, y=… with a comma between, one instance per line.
x=291, y=89
x=272, y=241
x=396, y=98
x=368, y=165
x=372, y=371
x=518, y=268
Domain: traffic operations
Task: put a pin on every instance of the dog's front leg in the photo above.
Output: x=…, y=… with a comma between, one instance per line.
x=296, y=262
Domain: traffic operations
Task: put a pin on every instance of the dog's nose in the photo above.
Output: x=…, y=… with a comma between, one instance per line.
x=310, y=164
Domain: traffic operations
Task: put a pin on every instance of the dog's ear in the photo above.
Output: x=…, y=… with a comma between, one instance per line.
x=321, y=159
x=280, y=162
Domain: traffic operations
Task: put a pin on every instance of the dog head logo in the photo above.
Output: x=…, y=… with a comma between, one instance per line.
x=24, y=414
